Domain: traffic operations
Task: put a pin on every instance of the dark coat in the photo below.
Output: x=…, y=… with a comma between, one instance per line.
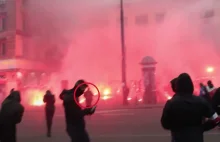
x=10, y=115
x=216, y=101
x=75, y=123
x=183, y=115
x=49, y=100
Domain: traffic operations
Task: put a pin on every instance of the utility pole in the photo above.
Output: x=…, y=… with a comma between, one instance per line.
x=123, y=53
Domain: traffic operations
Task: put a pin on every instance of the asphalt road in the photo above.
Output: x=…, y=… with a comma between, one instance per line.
x=125, y=125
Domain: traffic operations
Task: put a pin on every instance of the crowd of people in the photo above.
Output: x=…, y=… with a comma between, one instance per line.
x=188, y=116
x=12, y=112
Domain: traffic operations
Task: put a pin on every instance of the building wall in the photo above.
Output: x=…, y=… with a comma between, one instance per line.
x=7, y=34
x=16, y=37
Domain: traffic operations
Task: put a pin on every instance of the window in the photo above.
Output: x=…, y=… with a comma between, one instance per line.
x=2, y=76
x=2, y=3
x=159, y=17
x=2, y=24
x=141, y=19
x=24, y=2
x=2, y=21
x=3, y=48
x=209, y=14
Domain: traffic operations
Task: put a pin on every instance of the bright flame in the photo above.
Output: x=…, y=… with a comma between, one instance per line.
x=81, y=100
x=105, y=97
x=38, y=101
x=210, y=69
x=139, y=100
x=129, y=99
x=95, y=94
x=168, y=97
x=37, y=97
x=107, y=91
x=19, y=75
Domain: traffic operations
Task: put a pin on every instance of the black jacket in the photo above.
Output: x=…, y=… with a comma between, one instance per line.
x=184, y=113
x=73, y=113
x=49, y=100
x=216, y=101
x=10, y=115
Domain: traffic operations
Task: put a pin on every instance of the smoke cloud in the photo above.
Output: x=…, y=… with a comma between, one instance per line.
x=86, y=38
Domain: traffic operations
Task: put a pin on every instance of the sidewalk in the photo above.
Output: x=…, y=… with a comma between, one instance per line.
x=101, y=107
x=142, y=106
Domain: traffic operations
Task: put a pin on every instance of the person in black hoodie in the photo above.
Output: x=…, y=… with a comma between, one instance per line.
x=49, y=99
x=11, y=114
x=204, y=92
x=211, y=88
x=216, y=102
x=173, y=84
x=183, y=115
x=75, y=123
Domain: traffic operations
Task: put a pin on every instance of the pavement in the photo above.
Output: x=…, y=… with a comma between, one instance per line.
x=112, y=125
x=107, y=107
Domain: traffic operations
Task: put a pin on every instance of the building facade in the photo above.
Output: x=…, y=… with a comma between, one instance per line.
x=20, y=63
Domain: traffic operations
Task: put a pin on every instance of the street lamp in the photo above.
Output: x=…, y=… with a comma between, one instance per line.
x=209, y=69
x=123, y=52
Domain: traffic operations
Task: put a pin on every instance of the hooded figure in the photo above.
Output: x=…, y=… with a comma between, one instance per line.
x=204, y=92
x=75, y=123
x=216, y=101
x=173, y=87
x=10, y=115
x=210, y=88
x=183, y=115
x=126, y=91
x=173, y=84
x=49, y=99
x=12, y=90
x=89, y=98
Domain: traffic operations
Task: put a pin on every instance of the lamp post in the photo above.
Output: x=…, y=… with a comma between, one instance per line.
x=123, y=53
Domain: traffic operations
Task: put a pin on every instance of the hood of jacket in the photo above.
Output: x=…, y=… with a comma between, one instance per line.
x=184, y=84
x=14, y=97
x=173, y=84
x=68, y=95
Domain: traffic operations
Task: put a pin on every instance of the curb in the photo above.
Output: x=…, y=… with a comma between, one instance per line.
x=60, y=107
x=134, y=107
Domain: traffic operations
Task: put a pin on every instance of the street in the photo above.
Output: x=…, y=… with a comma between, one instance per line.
x=122, y=125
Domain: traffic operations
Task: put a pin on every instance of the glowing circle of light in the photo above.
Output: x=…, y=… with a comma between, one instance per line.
x=37, y=97
x=105, y=98
x=81, y=100
x=140, y=100
x=129, y=99
x=169, y=97
x=107, y=91
x=19, y=75
x=209, y=69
